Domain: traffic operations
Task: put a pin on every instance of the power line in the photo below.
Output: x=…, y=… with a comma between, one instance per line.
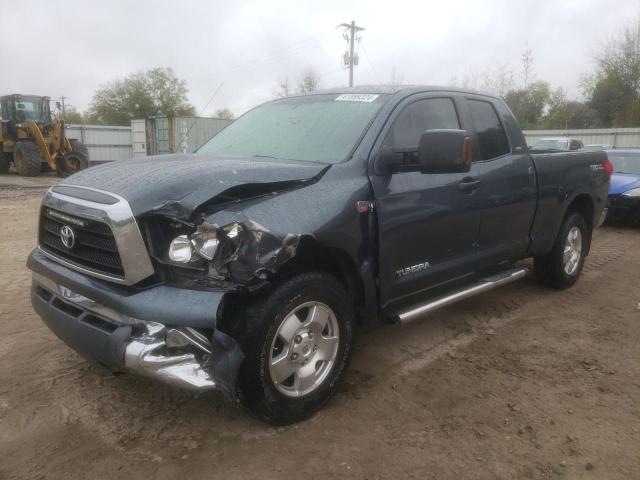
x=375, y=72
x=350, y=30
x=195, y=120
x=310, y=42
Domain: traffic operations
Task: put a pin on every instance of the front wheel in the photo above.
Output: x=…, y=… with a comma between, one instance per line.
x=562, y=267
x=297, y=343
x=26, y=158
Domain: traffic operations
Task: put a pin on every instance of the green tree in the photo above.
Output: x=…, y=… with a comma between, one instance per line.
x=528, y=105
x=614, y=90
x=563, y=114
x=154, y=92
x=73, y=117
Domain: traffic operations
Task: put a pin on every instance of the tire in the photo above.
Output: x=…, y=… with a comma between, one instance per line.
x=5, y=162
x=262, y=341
x=71, y=163
x=557, y=270
x=79, y=147
x=27, y=159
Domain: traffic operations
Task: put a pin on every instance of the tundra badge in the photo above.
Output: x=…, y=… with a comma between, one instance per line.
x=403, y=272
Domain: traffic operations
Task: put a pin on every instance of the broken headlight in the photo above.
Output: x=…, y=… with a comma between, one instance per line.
x=201, y=244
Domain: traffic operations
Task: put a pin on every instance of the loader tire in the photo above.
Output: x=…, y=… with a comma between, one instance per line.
x=79, y=147
x=27, y=159
x=71, y=163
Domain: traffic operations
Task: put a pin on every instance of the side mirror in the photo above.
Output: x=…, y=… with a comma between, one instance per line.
x=445, y=151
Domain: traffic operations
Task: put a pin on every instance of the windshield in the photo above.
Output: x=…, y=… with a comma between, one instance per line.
x=31, y=109
x=313, y=128
x=625, y=162
x=551, y=144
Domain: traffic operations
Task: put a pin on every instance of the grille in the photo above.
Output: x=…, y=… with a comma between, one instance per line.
x=95, y=246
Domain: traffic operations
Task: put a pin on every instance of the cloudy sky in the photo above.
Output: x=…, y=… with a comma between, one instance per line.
x=71, y=47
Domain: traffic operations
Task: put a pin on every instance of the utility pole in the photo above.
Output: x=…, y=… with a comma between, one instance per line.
x=352, y=29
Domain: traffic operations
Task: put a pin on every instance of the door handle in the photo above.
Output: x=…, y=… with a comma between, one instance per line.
x=469, y=184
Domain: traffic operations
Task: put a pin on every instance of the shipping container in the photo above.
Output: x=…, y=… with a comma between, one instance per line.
x=139, y=138
x=105, y=143
x=166, y=135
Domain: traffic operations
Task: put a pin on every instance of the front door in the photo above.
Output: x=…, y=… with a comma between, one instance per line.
x=428, y=224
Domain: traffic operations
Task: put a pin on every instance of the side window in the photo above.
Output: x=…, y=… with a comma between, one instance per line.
x=417, y=117
x=493, y=141
x=575, y=145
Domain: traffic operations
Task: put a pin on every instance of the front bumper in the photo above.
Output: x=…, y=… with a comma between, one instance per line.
x=156, y=332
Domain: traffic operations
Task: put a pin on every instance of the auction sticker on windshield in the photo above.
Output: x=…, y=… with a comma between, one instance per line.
x=356, y=97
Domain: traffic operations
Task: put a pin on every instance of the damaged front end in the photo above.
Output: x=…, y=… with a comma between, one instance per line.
x=184, y=357
x=241, y=254
x=169, y=320
x=98, y=328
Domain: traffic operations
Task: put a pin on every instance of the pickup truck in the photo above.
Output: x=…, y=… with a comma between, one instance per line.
x=247, y=266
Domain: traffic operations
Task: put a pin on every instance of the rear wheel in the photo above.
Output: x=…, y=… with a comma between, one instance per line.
x=27, y=159
x=297, y=343
x=562, y=267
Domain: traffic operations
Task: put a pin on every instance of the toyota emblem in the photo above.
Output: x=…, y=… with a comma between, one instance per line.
x=68, y=237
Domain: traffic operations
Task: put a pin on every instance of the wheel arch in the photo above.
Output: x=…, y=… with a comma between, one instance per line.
x=584, y=205
x=311, y=255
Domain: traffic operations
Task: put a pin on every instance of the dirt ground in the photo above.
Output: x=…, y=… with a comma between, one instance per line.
x=522, y=382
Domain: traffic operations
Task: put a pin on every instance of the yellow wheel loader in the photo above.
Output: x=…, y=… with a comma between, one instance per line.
x=34, y=141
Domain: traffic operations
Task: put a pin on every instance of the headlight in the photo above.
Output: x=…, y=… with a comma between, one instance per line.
x=180, y=249
x=201, y=244
x=632, y=193
x=205, y=241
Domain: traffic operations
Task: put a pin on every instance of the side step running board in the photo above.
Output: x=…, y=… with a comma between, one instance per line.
x=483, y=285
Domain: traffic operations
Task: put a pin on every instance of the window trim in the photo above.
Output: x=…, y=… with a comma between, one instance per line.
x=392, y=114
x=475, y=128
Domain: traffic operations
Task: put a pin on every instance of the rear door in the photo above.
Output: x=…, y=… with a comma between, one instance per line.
x=508, y=191
x=428, y=224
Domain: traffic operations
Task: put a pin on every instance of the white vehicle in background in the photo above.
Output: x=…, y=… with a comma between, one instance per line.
x=559, y=143
x=599, y=146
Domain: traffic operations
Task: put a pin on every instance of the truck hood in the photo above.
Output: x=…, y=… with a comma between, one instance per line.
x=179, y=184
x=623, y=182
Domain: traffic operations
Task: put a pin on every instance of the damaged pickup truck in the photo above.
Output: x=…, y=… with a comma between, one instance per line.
x=246, y=267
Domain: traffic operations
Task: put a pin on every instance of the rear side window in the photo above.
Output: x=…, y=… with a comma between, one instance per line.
x=420, y=116
x=491, y=135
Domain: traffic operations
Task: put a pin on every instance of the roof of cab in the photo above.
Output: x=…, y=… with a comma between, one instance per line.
x=395, y=89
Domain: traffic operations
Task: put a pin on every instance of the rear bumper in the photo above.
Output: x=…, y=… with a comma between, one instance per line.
x=181, y=352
